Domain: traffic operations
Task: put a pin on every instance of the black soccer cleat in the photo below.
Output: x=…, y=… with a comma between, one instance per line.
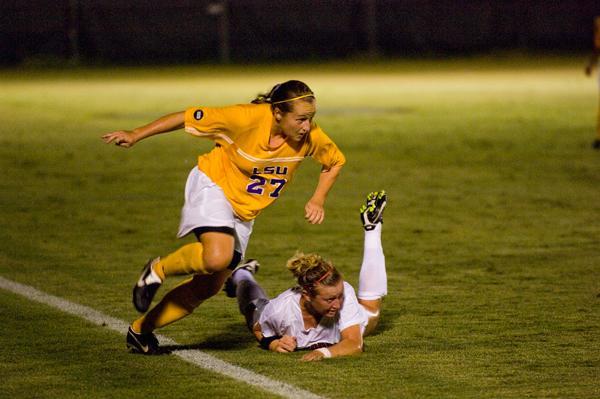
x=146, y=287
x=145, y=344
x=372, y=212
x=251, y=265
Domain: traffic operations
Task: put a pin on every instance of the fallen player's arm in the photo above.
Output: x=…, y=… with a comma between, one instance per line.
x=350, y=344
x=284, y=344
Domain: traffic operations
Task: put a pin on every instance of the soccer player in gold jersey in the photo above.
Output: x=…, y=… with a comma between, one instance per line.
x=593, y=63
x=258, y=149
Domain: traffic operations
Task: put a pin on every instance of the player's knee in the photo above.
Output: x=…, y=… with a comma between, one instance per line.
x=217, y=261
x=371, y=326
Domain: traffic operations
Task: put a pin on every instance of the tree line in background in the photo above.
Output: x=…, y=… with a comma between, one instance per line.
x=117, y=31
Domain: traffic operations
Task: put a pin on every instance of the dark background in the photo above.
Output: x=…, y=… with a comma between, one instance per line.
x=187, y=31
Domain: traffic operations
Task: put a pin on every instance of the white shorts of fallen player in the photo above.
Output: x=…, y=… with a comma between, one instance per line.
x=206, y=206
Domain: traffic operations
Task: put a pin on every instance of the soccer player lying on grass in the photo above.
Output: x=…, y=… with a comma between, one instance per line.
x=322, y=314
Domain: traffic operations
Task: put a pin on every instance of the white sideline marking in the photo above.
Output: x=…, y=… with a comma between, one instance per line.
x=193, y=356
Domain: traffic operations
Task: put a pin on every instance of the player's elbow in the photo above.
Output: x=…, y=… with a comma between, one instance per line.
x=359, y=348
x=355, y=347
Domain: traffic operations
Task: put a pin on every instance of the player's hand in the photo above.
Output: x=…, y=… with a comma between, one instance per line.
x=122, y=138
x=313, y=356
x=314, y=212
x=284, y=344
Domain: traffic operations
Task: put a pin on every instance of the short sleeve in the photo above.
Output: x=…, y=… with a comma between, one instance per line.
x=324, y=150
x=219, y=122
x=351, y=313
x=267, y=321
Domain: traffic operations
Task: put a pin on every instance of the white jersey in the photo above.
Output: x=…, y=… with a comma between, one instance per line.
x=283, y=316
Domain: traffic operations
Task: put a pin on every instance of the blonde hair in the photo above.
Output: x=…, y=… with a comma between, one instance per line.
x=312, y=269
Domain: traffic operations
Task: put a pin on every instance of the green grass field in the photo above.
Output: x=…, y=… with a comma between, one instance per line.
x=492, y=233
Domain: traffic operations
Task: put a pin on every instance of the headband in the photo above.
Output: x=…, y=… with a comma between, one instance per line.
x=323, y=277
x=294, y=98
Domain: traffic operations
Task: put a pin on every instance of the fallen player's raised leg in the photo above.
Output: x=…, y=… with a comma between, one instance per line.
x=372, y=285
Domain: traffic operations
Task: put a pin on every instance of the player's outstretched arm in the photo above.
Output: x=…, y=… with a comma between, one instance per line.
x=351, y=343
x=127, y=138
x=315, y=207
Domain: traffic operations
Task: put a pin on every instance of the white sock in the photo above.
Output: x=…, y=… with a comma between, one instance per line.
x=372, y=281
x=241, y=274
x=153, y=278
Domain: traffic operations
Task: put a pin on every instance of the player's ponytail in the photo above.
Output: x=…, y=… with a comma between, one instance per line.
x=282, y=94
x=311, y=270
x=263, y=98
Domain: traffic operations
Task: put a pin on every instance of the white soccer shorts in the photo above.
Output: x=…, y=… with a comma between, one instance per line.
x=206, y=206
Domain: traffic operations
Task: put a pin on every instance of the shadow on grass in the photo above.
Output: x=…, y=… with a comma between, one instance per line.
x=388, y=321
x=235, y=336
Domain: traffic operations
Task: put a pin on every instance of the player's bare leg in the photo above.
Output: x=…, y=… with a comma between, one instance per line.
x=181, y=301
x=175, y=305
x=374, y=308
x=208, y=259
x=214, y=252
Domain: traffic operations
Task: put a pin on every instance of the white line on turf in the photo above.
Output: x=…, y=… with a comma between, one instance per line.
x=195, y=357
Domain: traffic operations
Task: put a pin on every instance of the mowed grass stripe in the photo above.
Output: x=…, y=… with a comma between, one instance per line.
x=193, y=356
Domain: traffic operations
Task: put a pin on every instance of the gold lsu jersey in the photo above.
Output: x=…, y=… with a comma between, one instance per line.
x=251, y=174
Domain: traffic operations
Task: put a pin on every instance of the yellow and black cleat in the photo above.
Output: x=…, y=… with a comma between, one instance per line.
x=371, y=213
